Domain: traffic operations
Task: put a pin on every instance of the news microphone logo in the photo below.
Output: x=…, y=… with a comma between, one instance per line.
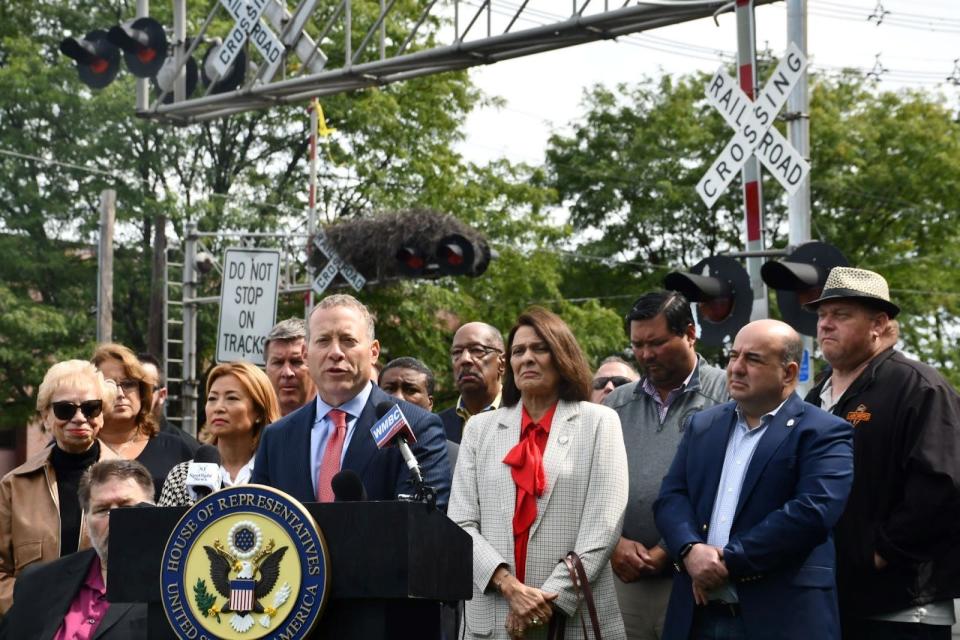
x=392, y=424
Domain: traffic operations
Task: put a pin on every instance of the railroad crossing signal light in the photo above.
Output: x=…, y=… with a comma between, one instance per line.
x=459, y=256
x=799, y=279
x=411, y=261
x=454, y=255
x=144, y=45
x=98, y=59
x=721, y=288
x=232, y=79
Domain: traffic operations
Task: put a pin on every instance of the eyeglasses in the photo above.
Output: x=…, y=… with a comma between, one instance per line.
x=127, y=386
x=66, y=410
x=617, y=381
x=475, y=351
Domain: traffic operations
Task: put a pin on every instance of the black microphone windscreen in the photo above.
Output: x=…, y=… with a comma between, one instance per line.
x=207, y=453
x=348, y=487
x=383, y=407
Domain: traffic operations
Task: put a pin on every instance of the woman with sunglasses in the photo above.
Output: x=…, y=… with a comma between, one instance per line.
x=241, y=402
x=129, y=428
x=40, y=515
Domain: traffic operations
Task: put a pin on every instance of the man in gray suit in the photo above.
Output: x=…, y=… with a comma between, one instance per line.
x=653, y=412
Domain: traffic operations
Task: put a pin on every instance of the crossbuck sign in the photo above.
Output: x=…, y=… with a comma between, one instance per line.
x=335, y=264
x=247, y=14
x=755, y=133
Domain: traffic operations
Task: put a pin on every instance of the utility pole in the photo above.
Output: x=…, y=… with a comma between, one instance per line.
x=798, y=132
x=108, y=206
x=750, y=174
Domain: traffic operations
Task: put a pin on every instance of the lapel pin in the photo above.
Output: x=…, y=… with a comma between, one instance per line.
x=562, y=440
x=791, y=422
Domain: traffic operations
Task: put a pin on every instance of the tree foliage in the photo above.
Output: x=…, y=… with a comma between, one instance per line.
x=885, y=186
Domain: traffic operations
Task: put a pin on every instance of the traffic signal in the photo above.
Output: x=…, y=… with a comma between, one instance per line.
x=146, y=52
x=799, y=279
x=721, y=288
x=453, y=255
x=98, y=59
x=413, y=243
x=232, y=79
x=144, y=45
x=457, y=255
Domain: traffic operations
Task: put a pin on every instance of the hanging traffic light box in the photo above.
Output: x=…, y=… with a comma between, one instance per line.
x=416, y=243
x=721, y=288
x=799, y=279
x=98, y=59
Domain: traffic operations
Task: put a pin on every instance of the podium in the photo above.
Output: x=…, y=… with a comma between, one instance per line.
x=391, y=564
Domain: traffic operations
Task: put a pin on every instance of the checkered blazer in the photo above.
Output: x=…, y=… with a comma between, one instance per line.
x=580, y=510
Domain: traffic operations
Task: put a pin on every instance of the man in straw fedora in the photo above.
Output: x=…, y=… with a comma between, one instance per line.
x=898, y=541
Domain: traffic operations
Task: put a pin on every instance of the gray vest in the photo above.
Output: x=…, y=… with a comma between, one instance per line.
x=651, y=445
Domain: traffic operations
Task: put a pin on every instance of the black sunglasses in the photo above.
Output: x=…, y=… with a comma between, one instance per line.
x=618, y=381
x=66, y=410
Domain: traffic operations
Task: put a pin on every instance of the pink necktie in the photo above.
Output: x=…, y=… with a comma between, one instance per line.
x=330, y=464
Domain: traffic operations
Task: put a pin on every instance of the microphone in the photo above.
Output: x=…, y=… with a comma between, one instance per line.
x=347, y=487
x=203, y=473
x=392, y=428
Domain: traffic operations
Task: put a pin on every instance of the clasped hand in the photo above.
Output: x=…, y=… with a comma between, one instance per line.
x=631, y=560
x=706, y=568
x=529, y=607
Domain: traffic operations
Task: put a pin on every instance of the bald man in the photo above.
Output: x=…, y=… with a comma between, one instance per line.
x=750, y=501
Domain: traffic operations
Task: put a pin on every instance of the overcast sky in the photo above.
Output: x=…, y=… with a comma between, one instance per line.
x=917, y=41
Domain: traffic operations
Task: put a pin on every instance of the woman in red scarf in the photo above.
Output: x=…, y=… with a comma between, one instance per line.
x=543, y=475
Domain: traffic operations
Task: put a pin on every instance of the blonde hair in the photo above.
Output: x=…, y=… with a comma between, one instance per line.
x=257, y=385
x=134, y=371
x=69, y=372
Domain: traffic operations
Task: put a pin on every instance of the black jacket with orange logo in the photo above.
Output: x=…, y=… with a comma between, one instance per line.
x=905, y=501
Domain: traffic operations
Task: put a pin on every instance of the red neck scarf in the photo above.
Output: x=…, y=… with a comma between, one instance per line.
x=526, y=466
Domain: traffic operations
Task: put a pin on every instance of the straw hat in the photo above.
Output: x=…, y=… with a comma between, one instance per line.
x=860, y=284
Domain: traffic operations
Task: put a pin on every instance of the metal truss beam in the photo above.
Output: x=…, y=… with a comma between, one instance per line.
x=579, y=28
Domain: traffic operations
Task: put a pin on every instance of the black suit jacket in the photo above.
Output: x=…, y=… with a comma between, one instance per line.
x=43, y=594
x=452, y=424
x=283, y=457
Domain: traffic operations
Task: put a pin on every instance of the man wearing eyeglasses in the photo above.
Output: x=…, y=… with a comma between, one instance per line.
x=477, y=356
x=654, y=411
x=613, y=372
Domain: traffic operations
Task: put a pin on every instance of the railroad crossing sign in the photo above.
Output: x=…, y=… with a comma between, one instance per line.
x=248, y=26
x=755, y=133
x=335, y=264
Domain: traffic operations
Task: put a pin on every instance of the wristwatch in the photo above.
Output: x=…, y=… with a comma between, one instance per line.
x=684, y=552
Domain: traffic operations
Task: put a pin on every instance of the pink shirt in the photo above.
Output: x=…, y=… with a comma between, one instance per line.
x=87, y=609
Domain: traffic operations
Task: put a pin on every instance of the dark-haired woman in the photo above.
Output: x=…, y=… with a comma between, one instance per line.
x=562, y=459
x=241, y=402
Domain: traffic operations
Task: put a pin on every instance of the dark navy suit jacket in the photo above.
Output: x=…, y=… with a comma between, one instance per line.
x=452, y=424
x=283, y=457
x=780, y=555
x=43, y=595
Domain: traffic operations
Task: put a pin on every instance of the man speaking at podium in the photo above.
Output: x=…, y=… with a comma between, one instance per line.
x=300, y=453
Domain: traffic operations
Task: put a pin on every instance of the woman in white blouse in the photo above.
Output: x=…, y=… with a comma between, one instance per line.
x=240, y=403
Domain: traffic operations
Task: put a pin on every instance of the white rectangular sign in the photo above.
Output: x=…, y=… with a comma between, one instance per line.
x=248, y=303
